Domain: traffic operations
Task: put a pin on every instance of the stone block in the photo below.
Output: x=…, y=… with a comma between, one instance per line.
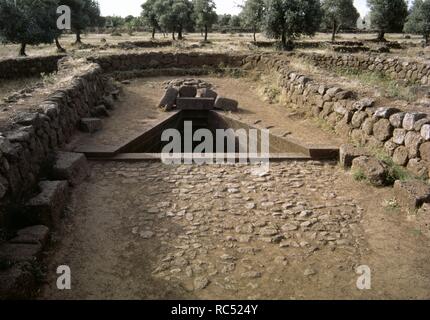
x=32, y=235
x=208, y=93
x=411, y=118
x=46, y=208
x=226, y=104
x=168, y=101
x=382, y=130
x=16, y=253
x=412, y=194
x=374, y=170
x=70, y=166
x=348, y=153
x=91, y=125
x=100, y=111
x=195, y=103
x=188, y=92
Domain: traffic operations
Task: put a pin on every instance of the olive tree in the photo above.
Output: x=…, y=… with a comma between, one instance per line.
x=289, y=19
x=28, y=22
x=149, y=16
x=205, y=15
x=337, y=13
x=388, y=16
x=419, y=19
x=253, y=15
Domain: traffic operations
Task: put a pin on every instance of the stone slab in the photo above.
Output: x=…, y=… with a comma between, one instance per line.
x=195, y=103
x=46, y=208
x=71, y=166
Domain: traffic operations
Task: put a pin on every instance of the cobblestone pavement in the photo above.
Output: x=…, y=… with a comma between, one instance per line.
x=147, y=230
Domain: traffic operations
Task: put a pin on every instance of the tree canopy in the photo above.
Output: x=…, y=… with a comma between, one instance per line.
x=388, y=16
x=29, y=22
x=288, y=19
x=253, y=15
x=419, y=19
x=205, y=15
x=337, y=13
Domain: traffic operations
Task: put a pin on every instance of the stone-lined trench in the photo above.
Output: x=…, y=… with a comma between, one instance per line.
x=146, y=230
x=151, y=231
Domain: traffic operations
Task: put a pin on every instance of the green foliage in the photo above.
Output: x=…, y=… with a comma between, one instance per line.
x=289, y=19
x=389, y=88
x=419, y=19
x=85, y=14
x=168, y=15
x=359, y=175
x=253, y=14
x=388, y=15
x=205, y=15
x=338, y=13
x=29, y=22
x=149, y=16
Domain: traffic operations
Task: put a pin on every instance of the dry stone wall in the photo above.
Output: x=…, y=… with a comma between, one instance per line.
x=28, y=66
x=157, y=60
x=412, y=72
x=32, y=137
x=405, y=136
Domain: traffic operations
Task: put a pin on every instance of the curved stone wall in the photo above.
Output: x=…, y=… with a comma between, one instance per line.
x=33, y=136
x=412, y=72
x=405, y=136
x=28, y=66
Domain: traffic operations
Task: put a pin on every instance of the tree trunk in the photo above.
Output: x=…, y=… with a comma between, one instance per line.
x=22, y=50
x=255, y=31
x=381, y=35
x=284, y=41
x=206, y=33
x=59, y=47
x=78, y=37
x=180, y=37
x=153, y=33
x=427, y=39
x=173, y=35
x=333, y=35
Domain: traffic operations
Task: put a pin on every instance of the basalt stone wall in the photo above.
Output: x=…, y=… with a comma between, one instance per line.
x=27, y=144
x=412, y=72
x=28, y=66
x=405, y=136
x=159, y=60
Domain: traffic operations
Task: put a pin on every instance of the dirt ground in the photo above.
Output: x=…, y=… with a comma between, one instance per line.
x=219, y=43
x=153, y=231
x=150, y=231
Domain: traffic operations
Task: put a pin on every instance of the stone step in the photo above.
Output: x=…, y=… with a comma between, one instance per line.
x=91, y=125
x=32, y=235
x=46, y=208
x=70, y=166
x=15, y=253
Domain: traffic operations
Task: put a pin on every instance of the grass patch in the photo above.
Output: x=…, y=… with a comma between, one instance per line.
x=322, y=124
x=389, y=88
x=359, y=175
x=391, y=205
x=395, y=172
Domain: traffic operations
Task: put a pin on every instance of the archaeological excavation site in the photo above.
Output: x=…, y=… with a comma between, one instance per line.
x=246, y=166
